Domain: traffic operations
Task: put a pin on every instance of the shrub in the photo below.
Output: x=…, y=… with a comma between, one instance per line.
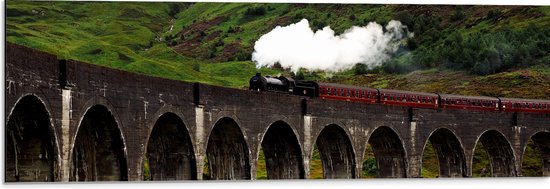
x=255, y=11
x=493, y=14
x=361, y=69
x=458, y=14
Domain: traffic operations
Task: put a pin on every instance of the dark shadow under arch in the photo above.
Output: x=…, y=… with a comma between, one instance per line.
x=227, y=152
x=389, y=153
x=449, y=152
x=98, y=152
x=282, y=153
x=541, y=142
x=170, y=154
x=336, y=153
x=31, y=153
x=500, y=154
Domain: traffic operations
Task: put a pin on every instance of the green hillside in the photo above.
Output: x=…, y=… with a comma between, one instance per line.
x=469, y=50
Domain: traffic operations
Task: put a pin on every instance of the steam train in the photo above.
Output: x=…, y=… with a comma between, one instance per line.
x=340, y=92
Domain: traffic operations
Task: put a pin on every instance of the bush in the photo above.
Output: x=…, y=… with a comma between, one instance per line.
x=369, y=167
x=318, y=25
x=493, y=14
x=361, y=69
x=197, y=67
x=458, y=15
x=394, y=66
x=299, y=76
x=255, y=11
x=490, y=64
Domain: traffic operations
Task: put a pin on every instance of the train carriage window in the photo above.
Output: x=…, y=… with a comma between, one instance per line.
x=329, y=91
x=385, y=97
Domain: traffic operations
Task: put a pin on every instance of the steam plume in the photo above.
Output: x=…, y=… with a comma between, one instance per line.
x=296, y=46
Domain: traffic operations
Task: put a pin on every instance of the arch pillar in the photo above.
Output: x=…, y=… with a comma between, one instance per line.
x=66, y=117
x=307, y=144
x=413, y=157
x=200, y=147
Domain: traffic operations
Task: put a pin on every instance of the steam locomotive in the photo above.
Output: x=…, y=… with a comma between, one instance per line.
x=340, y=92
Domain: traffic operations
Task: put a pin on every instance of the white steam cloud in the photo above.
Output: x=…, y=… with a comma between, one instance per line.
x=296, y=46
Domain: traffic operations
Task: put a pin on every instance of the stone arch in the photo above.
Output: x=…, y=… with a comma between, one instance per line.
x=282, y=152
x=500, y=152
x=32, y=152
x=336, y=151
x=389, y=153
x=542, y=142
x=98, y=152
x=169, y=150
x=227, y=152
x=450, y=153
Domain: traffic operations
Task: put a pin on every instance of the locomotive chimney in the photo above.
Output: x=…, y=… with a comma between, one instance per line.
x=258, y=74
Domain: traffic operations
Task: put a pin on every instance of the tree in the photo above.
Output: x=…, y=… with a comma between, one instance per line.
x=299, y=76
x=255, y=11
x=361, y=69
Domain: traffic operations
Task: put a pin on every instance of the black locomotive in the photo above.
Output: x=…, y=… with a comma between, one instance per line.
x=283, y=84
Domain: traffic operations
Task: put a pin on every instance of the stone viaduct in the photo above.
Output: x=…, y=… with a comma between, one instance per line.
x=72, y=121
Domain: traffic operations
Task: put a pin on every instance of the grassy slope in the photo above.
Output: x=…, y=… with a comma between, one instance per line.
x=129, y=36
